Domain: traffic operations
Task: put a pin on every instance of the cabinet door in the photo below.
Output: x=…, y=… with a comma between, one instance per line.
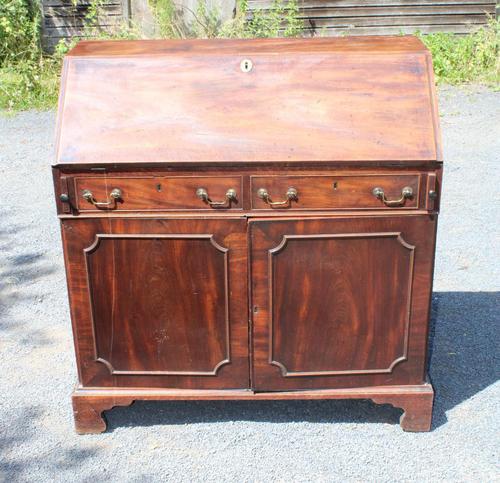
x=159, y=302
x=340, y=302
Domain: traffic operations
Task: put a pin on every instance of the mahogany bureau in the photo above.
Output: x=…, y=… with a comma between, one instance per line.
x=249, y=219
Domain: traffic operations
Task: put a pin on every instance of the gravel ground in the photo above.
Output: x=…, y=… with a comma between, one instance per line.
x=245, y=441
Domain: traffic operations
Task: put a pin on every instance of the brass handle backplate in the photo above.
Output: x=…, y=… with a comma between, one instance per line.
x=202, y=193
x=115, y=194
x=406, y=192
x=291, y=195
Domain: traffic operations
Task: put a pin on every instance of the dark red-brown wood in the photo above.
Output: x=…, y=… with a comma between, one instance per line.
x=416, y=401
x=326, y=296
x=165, y=193
x=304, y=100
x=344, y=192
x=340, y=302
x=159, y=303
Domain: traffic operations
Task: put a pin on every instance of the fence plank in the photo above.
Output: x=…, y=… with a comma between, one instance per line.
x=305, y=4
x=388, y=30
x=388, y=16
x=395, y=21
x=393, y=11
x=63, y=19
x=60, y=22
x=77, y=3
x=80, y=11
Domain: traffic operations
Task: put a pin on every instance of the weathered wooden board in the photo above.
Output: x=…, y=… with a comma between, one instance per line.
x=264, y=4
x=375, y=17
x=309, y=31
x=75, y=3
x=60, y=24
x=63, y=19
x=65, y=11
x=407, y=20
x=398, y=11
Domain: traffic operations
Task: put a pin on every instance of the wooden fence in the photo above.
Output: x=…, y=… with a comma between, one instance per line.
x=63, y=19
x=373, y=17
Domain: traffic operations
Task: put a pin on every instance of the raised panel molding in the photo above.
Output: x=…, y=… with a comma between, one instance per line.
x=282, y=246
x=210, y=238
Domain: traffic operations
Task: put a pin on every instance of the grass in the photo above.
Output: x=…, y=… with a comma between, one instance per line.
x=30, y=80
x=460, y=59
x=22, y=88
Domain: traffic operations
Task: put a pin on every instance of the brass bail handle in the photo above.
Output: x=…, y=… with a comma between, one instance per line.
x=406, y=192
x=115, y=194
x=202, y=193
x=291, y=195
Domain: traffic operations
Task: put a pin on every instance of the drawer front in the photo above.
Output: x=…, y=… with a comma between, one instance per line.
x=158, y=193
x=345, y=192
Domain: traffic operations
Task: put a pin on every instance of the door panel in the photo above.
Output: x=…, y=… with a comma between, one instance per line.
x=340, y=302
x=165, y=310
x=167, y=302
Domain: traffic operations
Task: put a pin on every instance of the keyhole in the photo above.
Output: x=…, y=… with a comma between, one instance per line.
x=246, y=65
x=335, y=185
x=158, y=187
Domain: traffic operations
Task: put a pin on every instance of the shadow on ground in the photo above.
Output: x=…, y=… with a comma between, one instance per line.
x=18, y=274
x=18, y=465
x=463, y=361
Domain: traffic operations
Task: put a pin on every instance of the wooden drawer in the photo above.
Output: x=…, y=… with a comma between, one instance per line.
x=344, y=192
x=157, y=193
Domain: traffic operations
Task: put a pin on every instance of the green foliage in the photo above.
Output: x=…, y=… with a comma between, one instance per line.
x=170, y=25
x=207, y=23
x=92, y=14
x=19, y=31
x=29, y=85
x=280, y=20
x=466, y=58
x=28, y=79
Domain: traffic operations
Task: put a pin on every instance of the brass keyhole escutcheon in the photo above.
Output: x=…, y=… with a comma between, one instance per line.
x=246, y=65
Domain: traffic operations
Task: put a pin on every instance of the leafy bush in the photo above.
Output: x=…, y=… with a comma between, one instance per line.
x=279, y=20
x=29, y=85
x=19, y=31
x=28, y=79
x=466, y=58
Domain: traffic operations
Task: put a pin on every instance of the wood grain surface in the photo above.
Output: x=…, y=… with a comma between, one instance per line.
x=159, y=193
x=329, y=189
x=374, y=17
x=415, y=400
x=321, y=100
x=335, y=192
x=150, y=302
x=340, y=302
x=327, y=297
x=154, y=315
